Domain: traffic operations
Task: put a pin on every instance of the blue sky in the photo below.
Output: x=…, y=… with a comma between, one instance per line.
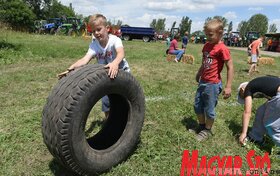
x=141, y=12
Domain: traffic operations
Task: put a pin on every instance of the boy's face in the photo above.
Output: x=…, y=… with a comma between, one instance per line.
x=100, y=32
x=242, y=91
x=213, y=35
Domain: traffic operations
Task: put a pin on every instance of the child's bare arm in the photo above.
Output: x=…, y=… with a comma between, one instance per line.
x=230, y=73
x=198, y=74
x=83, y=61
x=78, y=63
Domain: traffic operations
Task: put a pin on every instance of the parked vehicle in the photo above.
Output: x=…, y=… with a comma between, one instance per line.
x=72, y=27
x=51, y=27
x=145, y=33
x=226, y=39
x=234, y=39
x=173, y=32
x=251, y=36
x=39, y=25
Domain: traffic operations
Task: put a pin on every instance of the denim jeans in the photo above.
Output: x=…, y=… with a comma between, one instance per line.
x=206, y=98
x=178, y=53
x=105, y=99
x=267, y=121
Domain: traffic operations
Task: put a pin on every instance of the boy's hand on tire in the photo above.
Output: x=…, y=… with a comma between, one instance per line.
x=62, y=74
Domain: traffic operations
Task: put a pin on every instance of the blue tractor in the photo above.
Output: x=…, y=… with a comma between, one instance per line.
x=51, y=26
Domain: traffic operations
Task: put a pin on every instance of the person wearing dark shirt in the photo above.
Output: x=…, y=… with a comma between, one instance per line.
x=185, y=40
x=267, y=120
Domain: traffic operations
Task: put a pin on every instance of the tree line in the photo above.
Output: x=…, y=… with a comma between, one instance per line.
x=257, y=23
x=20, y=14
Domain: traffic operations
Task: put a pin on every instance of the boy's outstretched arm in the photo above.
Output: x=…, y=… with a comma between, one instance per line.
x=78, y=63
x=83, y=61
x=227, y=90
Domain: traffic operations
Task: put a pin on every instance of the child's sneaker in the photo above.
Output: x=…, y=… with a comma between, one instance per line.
x=204, y=135
x=197, y=129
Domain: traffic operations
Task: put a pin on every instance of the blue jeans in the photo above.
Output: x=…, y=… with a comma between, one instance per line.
x=206, y=98
x=178, y=53
x=105, y=99
x=267, y=121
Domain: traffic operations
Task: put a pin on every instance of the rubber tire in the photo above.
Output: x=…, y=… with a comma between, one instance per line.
x=126, y=37
x=146, y=38
x=65, y=114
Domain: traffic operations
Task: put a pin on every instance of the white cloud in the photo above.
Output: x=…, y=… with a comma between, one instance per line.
x=230, y=15
x=255, y=8
x=277, y=22
x=141, y=13
x=179, y=6
x=249, y=2
x=197, y=25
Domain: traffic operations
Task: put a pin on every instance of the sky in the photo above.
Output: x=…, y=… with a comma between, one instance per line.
x=140, y=13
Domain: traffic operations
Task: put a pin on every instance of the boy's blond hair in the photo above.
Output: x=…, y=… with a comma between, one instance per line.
x=214, y=24
x=97, y=19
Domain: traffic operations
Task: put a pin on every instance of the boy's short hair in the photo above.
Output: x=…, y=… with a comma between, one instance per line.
x=215, y=24
x=97, y=19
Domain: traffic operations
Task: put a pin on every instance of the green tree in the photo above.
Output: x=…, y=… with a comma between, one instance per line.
x=272, y=28
x=35, y=6
x=158, y=25
x=17, y=14
x=242, y=28
x=223, y=19
x=153, y=23
x=258, y=23
x=229, y=27
x=185, y=25
x=56, y=9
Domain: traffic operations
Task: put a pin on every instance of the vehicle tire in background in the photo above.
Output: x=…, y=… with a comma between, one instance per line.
x=126, y=37
x=68, y=107
x=146, y=38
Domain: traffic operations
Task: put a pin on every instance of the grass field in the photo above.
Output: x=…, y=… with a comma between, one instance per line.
x=28, y=68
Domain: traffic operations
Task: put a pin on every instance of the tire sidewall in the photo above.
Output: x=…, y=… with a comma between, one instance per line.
x=93, y=160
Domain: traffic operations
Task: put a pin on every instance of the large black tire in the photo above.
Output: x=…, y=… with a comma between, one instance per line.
x=66, y=111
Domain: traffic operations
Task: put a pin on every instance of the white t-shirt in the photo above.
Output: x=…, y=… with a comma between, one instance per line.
x=108, y=54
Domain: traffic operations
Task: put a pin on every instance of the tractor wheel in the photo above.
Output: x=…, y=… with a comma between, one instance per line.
x=52, y=31
x=58, y=31
x=72, y=33
x=68, y=108
x=41, y=31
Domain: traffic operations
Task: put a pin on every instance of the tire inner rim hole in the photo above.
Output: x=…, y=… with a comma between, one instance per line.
x=101, y=132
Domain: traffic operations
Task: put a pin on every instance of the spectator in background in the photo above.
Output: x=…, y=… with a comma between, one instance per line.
x=185, y=40
x=255, y=52
x=168, y=40
x=269, y=44
x=173, y=49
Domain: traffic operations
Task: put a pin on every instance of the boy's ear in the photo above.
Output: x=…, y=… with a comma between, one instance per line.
x=108, y=28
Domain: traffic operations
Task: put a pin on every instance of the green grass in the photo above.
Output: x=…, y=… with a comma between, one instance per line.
x=28, y=68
